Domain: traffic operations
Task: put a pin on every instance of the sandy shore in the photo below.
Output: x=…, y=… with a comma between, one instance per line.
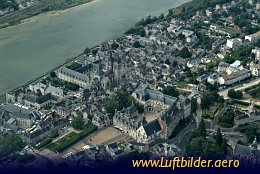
x=59, y=12
x=53, y=13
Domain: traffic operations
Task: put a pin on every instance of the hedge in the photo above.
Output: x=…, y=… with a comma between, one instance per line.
x=252, y=87
x=241, y=102
x=71, y=138
x=257, y=106
x=43, y=143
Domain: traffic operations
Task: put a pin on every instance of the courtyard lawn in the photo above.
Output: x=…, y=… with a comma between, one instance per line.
x=71, y=139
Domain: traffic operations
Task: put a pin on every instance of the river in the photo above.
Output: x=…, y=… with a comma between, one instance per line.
x=28, y=50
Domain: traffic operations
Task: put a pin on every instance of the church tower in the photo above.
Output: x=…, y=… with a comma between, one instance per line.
x=254, y=145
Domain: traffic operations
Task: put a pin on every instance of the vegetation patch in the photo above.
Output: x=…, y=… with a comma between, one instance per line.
x=10, y=144
x=250, y=130
x=71, y=139
x=207, y=114
x=227, y=120
x=74, y=66
x=43, y=143
x=238, y=102
x=254, y=91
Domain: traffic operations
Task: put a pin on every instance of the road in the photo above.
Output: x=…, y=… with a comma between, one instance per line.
x=182, y=135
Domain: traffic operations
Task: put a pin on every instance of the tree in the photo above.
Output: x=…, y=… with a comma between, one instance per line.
x=202, y=129
x=87, y=51
x=167, y=61
x=224, y=146
x=119, y=101
x=219, y=139
x=182, y=37
x=174, y=63
x=235, y=94
x=171, y=90
x=193, y=105
x=53, y=74
x=114, y=46
x=10, y=144
x=227, y=120
x=136, y=44
x=94, y=51
x=185, y=53
x=77, y=122
x=142, y=33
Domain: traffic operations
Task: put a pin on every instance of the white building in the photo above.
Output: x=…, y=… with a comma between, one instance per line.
x=253, y=38
x=233, y=43
x=212, y=78
x=222, y=67
x=208, y=13
x=255, y=69
x=256, y=51
x=229, y=79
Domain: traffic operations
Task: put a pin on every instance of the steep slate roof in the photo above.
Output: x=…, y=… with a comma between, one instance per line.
x=152, y=127
x=38, y=99
x=245, y=150
x=13, y=108
x=72, y=73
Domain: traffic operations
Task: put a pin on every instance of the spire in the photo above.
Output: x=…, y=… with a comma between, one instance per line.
x=254, y=145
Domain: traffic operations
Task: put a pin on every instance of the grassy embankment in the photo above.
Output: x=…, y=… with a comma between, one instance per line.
x=42, y=7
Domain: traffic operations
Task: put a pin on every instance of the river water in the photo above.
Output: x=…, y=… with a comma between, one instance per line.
x=30, y=49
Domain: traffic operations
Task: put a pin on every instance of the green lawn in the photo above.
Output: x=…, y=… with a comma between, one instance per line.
x=71, y=139
x=207, y=114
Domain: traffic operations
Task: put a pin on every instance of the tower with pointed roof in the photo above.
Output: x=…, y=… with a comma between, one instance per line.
x=254, y=145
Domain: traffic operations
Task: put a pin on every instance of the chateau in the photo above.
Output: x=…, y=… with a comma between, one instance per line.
x=161, y=115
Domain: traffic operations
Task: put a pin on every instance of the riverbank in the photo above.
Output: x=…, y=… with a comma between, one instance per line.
x=60, y=12
x=54, y=8
x=47, y=43
x=52, y=13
